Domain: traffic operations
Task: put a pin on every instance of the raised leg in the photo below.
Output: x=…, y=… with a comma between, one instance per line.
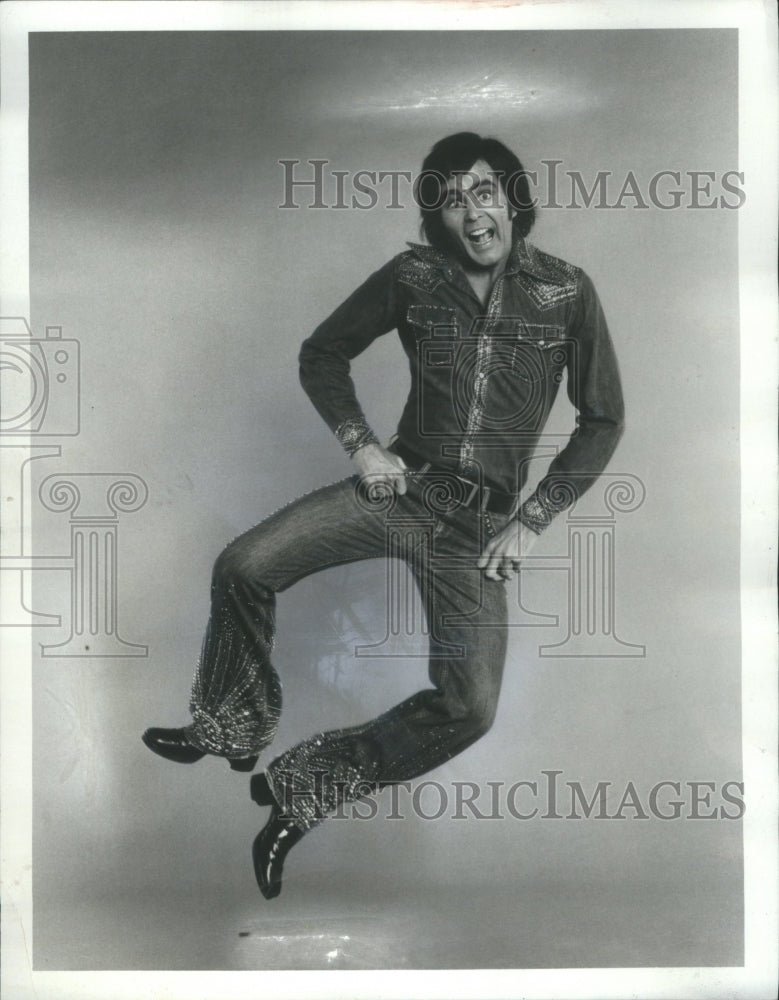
x=467, y=616
x=236, y=693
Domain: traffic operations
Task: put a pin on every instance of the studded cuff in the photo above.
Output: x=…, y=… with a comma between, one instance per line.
x=554, y=494
x=534, y=515
x=355, y=433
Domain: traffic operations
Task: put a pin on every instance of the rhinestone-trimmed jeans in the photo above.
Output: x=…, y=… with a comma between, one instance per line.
x=236, y=695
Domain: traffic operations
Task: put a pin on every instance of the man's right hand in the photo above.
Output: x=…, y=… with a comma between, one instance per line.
x=377, y=465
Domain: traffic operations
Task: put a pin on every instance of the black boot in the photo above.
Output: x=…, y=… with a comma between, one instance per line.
x=270, y=848
x=174, y=744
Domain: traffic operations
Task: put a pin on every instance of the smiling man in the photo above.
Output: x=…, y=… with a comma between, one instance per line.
x=491, y=327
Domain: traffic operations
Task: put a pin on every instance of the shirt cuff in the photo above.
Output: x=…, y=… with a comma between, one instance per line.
x=535, y=514
x=354, y=434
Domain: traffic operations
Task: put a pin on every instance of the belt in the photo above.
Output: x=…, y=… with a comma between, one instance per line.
x=472, y=494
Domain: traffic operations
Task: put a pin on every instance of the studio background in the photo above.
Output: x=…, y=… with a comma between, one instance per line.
x=158, y=243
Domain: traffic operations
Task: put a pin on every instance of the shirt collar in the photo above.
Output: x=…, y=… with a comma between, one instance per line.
x=434, y=257
x=523, y=257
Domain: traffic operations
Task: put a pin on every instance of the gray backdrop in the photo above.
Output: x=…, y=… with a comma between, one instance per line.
x=157, y=242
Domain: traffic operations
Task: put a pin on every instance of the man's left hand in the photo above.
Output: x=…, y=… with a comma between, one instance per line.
x=502, y=555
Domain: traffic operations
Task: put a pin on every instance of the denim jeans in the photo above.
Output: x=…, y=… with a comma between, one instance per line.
x=236, y=695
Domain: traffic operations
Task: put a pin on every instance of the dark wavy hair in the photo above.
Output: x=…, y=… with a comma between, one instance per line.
x=457, y=154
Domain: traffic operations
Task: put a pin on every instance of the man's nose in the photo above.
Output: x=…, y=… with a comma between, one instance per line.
x=472, y=206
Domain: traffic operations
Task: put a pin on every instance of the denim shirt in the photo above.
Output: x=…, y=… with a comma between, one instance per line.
x=483, y=378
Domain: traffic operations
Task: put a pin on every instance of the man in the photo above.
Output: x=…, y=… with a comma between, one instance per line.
x=491, y=326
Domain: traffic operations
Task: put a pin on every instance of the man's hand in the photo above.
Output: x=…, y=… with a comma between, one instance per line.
x=377, y=465
x=503, y=553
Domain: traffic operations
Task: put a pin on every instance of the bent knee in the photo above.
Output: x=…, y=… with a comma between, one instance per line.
x=476, y=720
x=481, y=719
x=232, y=567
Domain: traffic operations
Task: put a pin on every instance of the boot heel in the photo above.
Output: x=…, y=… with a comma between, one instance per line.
x=260, y=791
x=244, y=763
x=269, y=850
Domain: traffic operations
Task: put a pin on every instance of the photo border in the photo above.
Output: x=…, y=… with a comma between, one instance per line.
x=756, y=23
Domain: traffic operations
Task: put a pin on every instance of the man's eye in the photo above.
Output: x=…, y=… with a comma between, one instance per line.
x=454, y=202
x=485, y=197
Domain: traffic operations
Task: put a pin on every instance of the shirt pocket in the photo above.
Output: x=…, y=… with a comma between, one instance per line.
x=539, y=352
x=437, y=332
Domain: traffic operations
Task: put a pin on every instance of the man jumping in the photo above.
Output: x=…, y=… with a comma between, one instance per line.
x=491, y=326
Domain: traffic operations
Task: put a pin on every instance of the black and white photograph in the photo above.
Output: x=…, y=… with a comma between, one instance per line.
x=389, y=500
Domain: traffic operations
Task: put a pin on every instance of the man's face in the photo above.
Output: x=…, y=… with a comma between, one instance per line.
x=477, y=217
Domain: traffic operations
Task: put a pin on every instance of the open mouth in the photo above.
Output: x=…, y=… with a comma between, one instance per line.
x=481, y=237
